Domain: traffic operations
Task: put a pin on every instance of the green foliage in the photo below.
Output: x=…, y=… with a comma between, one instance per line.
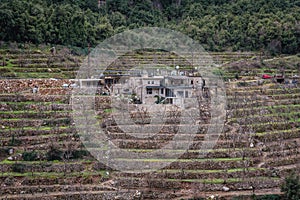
x=54, y=154
x=263, y=197
x=78, y=154
x=266, y=197
x=18, y=167
x=197, y=198
x=219, y=25
x=291, y=187
x=218, y=72
x=30, y=156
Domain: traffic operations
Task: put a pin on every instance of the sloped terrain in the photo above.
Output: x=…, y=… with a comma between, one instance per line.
x=34, y=63
x=42, y=156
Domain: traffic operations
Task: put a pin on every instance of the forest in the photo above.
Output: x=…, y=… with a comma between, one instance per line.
x=272, y=26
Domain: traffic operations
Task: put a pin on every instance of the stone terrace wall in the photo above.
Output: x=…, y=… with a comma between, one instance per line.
x=26, y=85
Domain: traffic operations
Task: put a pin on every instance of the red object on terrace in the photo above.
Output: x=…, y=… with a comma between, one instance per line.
x=266, y=76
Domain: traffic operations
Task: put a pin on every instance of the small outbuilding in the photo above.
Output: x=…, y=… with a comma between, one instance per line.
x=266, y=76
x=279, y=78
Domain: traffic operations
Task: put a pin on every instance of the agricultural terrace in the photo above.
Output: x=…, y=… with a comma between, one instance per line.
x=42, y=156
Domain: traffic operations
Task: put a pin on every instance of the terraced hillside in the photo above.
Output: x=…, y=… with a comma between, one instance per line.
x=42, y=156
x=34, y=63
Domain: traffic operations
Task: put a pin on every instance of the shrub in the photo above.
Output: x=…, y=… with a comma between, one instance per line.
x=54, y=154
x=18, y=167
x=30, y=156
x=77, y=154
x=291, y=187
x=242, y=84
x=5, y=70
x=268, y=197
x=254, y=197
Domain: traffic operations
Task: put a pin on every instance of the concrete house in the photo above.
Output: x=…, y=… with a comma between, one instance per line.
x=171, y=89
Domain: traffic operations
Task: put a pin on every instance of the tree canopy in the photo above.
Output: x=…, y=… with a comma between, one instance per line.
x=219, y=25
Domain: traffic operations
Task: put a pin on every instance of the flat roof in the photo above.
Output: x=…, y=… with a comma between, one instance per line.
x=179, y=87
x=152, y=77
x=90, y=79
x=177, y=77
x=154, y=86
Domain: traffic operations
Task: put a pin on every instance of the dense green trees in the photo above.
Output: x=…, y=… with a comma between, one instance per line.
x=219, y=25
x=291, y=187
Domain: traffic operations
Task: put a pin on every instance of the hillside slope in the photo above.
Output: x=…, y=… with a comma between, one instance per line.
x=42, y=156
